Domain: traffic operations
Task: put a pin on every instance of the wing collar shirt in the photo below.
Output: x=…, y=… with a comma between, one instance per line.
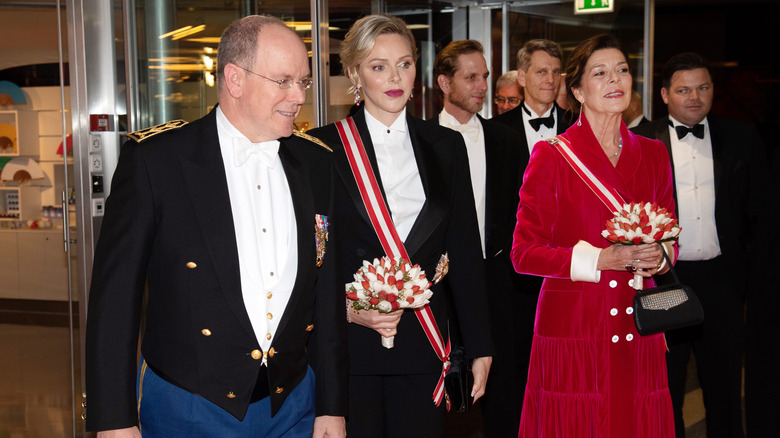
x=475, y=146
x=398, y=171
x=695, y=184
x=265, y=226
x=533, y=136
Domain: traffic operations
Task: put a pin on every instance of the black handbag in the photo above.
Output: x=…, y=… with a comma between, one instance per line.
x=666, y=307
x=456, y=382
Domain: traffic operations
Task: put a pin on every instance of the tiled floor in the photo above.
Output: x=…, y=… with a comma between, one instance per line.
x=35, y=382
x=35, y=388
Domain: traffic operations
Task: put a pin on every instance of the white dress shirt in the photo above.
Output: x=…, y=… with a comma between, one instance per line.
x=398, y=171
x=532, y=136
x=474, y=138
x=265, y=226
x=695, y=182
x=636, y=121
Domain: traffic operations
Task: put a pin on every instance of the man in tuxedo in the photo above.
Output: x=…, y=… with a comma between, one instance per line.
x=633, y=115
x=225, y=221
x=718, y=168
x=461, y=73
x=538, y=117
x=508, y=93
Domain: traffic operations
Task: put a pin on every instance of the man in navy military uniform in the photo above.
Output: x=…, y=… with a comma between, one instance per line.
x=226, y=220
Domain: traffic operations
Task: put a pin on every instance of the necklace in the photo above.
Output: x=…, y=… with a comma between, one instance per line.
x=620, y=146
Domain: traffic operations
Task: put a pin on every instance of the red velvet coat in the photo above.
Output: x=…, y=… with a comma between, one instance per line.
x=591, y=373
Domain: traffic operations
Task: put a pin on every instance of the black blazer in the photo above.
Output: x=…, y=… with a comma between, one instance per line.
x=739, y=170
x=446, y=223
x=514, y=119
x=169, y=225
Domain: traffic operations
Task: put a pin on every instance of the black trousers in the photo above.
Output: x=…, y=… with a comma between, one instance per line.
x=717, y=345
x=399, y=406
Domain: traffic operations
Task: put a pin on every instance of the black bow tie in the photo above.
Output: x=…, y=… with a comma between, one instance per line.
x=548, y=121
x=682, y=130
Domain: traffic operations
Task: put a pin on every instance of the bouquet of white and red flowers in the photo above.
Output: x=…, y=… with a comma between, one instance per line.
x=388, y=284
x=638, y=223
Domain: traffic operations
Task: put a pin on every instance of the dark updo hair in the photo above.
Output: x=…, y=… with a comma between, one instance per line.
x=575, y=67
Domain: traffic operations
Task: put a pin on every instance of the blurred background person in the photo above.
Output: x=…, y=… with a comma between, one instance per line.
x=422, y=172
x=591, y=373
x=508, y=93
x=633, y=115
x=462, y=74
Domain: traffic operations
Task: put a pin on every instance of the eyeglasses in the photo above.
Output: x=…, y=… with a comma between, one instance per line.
x=284, y=84
x=500, y=100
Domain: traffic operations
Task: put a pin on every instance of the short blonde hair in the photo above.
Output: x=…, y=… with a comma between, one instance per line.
x=360, y=40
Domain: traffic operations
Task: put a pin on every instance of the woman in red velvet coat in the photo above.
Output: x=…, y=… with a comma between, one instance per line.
x=591, y=373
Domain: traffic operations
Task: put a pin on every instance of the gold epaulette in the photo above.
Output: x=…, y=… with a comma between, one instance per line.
x=312, y=139
x=143, y=134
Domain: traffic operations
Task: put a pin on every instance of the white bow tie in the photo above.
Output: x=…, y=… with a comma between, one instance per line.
x=266, y=151
x=470, y=130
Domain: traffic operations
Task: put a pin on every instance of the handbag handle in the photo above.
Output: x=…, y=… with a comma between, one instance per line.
x=671, y=266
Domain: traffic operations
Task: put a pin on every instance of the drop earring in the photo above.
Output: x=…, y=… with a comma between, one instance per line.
x=582, y=110
x=411, y=95
x=357, y=96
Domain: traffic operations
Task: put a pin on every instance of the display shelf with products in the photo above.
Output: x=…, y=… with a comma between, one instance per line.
x=18, y=133
x=20, y=203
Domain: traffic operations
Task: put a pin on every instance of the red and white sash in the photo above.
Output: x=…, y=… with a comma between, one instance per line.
x=388, y=236
x=608, y=195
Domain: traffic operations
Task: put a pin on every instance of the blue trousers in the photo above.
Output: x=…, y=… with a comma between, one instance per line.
x=167, y=411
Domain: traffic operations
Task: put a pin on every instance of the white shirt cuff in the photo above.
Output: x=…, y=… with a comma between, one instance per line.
x=584, y=260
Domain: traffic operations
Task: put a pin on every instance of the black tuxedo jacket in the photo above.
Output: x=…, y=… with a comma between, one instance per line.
x=739, y=170
x=169, y=225
x=514, y=119
x=446, y=223
x=502, y=195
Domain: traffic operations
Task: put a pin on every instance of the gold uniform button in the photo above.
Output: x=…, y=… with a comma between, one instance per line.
x=279, y=390
x=206, y=332
x=270, y=315
x=310, y=327
x=231, y=395
x=256, y=354
x=270, y=294
x=268, y=336
x=192, y=265
x=271, y=352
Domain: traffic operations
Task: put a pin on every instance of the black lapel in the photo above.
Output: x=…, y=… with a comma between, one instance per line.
x=204, y=175
x=717, y=137
x=662, y=133
x=434, y=183
x=495, y=151
x=303, y=205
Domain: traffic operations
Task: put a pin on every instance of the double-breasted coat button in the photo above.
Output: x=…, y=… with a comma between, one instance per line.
x=271, y=352
x=206, y=332
x=615, y=339
x=192, y=265
x=310, y=327
x=279, y=390
x=613, y=284
x=231, y=395
x=256, y=354
x=631, y=282
x=613, y=311
x=629, y=337
x=629, y=310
